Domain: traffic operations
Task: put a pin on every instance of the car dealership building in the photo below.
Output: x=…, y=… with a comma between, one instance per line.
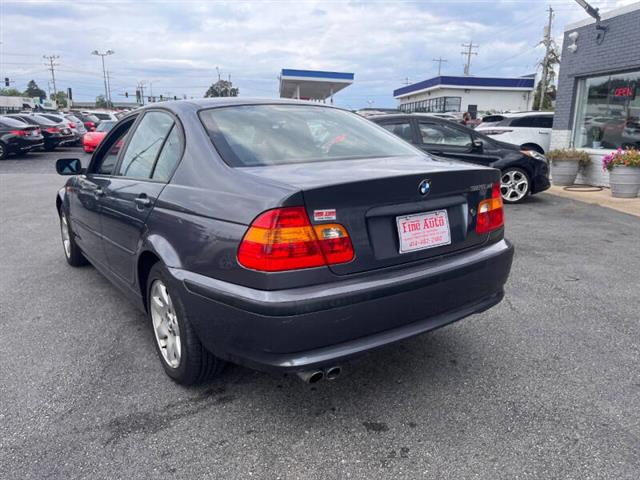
x=467, y=94
x=598, y=99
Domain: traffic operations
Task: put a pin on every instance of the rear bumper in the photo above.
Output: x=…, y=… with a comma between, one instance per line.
x=310, y=327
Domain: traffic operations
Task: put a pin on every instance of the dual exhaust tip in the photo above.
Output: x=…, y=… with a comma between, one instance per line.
x=314, y=376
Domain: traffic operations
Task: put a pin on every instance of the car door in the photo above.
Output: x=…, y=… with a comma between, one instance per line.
x=87, y=197
x=140, y=176
x=446, y=139
x=543, y=125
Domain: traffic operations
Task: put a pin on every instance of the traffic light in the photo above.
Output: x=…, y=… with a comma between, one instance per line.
x=175, y=97
x=69, y=93
x=126, y=94
x=138, y=96
x=6, y=82
x=160, y=97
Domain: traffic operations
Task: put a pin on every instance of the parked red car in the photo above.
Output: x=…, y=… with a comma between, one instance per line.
x=91, y=140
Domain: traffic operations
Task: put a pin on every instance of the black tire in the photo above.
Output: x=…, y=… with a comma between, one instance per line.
x=3, y=151
x=196, y=364
x=509, y=197
x=74, y=255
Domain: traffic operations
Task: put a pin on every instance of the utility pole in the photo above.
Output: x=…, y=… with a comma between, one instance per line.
x=440, y=61
x=109, y=88
x=141, y=88
x=468, y=52
x=50, y=64
x=406, y=81
x=547, y=43
x=104, y=72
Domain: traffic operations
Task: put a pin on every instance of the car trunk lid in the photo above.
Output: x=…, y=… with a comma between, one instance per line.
x=369, y=196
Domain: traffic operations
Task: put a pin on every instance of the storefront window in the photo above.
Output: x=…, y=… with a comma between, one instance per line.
x=608, y=114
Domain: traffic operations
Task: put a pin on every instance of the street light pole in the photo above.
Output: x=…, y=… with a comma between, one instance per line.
x=104, y=74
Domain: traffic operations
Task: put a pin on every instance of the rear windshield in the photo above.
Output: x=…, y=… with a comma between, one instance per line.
x=12, y=122
x=102, y=116
x=257, y=135
x=43, y=120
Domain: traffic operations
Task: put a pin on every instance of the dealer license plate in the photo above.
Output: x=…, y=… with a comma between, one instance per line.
x=423, y=230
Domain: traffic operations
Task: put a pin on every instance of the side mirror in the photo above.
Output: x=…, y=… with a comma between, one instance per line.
x=69, y=166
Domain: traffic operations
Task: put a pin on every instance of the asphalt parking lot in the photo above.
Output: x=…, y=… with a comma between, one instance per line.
x=545, y=385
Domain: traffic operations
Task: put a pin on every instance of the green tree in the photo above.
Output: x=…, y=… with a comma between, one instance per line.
x=34, y=91
x=222, y=88
x=10, y=92
x=550, y=91
x=61, y=99
x=101, y=102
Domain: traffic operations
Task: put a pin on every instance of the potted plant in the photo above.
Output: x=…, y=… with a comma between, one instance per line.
x=596, y=137
x=565, y=164
x=624, y=172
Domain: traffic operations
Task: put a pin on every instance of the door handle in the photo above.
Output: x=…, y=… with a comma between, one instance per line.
x=142, y=201
x=544, y=133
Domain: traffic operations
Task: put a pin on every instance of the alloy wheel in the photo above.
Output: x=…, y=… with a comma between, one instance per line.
x=165, y=324
x=514, y=185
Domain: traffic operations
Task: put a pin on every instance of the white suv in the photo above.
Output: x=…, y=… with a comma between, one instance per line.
x=528, y=130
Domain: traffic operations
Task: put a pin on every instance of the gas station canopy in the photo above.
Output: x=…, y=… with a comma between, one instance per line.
x=312, y=84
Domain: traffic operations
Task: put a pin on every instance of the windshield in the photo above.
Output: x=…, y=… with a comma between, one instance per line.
x=105, y=126
x=257, y=135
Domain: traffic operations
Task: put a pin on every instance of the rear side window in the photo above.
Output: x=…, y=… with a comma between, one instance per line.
x=401, y=129
x=441, y=134
x=260, y=135
x=543, y=121
x=169, y=156
x=145, y=143
x=528, y=122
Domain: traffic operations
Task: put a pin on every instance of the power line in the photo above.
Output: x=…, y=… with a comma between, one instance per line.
x=468, y=52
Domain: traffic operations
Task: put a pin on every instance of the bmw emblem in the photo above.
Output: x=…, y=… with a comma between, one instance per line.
x=425, y=187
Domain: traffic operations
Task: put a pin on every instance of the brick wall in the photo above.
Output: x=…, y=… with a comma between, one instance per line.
x=619, y=52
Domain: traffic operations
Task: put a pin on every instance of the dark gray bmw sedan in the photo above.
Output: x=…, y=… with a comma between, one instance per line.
x=281, y=235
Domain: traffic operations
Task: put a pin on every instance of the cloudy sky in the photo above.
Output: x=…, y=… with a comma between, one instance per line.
x=177, y=45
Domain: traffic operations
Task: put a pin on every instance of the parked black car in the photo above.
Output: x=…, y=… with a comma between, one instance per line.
x=54, y=133
x=524, y=172
x=18, y=137
x=281, y=235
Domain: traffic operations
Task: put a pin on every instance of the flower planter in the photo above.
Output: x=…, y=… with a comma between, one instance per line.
x=564, y=172
x=624, y=181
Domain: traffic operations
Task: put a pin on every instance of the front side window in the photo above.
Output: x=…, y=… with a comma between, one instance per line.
x=608, y=112
x=145, y=143
x=106, y=164
x=441, y=134
x=401, y=129
x=259, y=135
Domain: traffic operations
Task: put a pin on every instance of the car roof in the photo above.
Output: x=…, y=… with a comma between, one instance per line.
x=524, y=114
x=409, y=115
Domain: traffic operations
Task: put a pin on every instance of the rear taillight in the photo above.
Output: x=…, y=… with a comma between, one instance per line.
x=284, y=239
x=490, y=212
x=52, y=130
x=19, y=133
x=72, y=125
